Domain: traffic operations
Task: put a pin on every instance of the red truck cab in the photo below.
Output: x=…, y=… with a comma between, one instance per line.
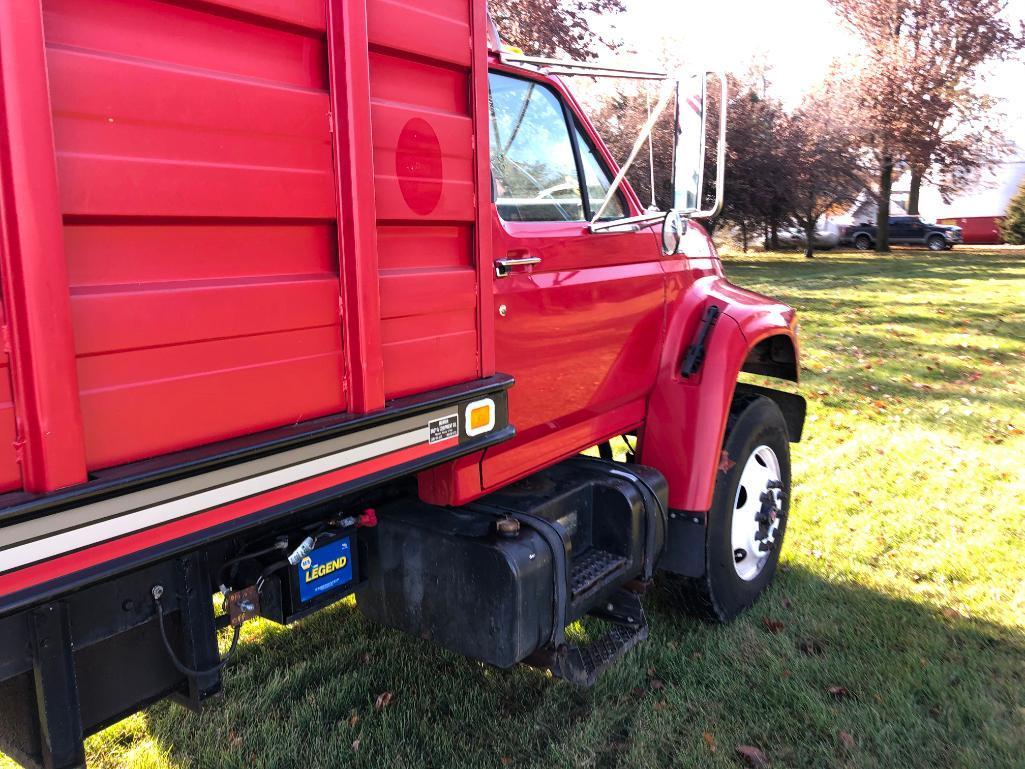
x=312, y=298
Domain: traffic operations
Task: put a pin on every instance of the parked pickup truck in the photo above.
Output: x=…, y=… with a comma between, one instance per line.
x=311, y=298
x=905, y=231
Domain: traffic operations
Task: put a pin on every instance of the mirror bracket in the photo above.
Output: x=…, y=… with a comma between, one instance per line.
x=720, y=164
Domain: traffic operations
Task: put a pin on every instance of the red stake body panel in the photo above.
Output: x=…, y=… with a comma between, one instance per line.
x=424, y=89
x=207, y=209
x=197, y=188
x=229, y=217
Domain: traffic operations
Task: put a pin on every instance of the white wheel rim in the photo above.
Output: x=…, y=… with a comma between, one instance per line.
x=754, y=540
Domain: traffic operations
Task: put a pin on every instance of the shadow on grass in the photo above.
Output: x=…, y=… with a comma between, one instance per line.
x=916, y=689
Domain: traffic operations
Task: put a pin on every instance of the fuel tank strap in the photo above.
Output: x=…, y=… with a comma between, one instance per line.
x=558, y=542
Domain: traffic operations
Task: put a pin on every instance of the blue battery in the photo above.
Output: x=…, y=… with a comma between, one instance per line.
x=325, y=569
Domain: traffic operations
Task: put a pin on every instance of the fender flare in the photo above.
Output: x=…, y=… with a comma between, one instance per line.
x=687, y=416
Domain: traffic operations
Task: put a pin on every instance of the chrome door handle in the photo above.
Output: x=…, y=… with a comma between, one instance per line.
x=502, y=265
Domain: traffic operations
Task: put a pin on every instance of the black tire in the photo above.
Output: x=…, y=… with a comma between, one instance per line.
x=863, y=242
x=936, y=243
x=720, y=595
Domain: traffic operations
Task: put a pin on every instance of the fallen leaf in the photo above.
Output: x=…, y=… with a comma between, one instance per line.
x=505, y=760
x=355, y=744
x=725, y=463
x=753, y=757
x=353, y=719
x=661, y=705
x=710, y=741
x=657, y=684
x=773, y=626
x=383, y=700
x=951, y=613
x=839, y=692
x=846, y=739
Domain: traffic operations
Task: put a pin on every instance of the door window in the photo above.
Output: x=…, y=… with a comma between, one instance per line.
x=532, y=158
x=534, y=161
x=597, y=182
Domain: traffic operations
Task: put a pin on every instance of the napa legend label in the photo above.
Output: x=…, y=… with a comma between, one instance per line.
x=326, y=568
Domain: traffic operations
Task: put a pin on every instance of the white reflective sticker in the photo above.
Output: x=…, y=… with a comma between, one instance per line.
x=444, y=428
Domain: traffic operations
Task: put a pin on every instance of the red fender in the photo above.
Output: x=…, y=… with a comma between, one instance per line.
x=686, y=419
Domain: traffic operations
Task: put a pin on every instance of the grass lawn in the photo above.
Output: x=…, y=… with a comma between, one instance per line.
x=893, y=637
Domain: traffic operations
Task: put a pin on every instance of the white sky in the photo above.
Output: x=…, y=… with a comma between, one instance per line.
x=799, y=38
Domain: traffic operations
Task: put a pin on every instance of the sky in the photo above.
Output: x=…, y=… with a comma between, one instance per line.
x=798, y=38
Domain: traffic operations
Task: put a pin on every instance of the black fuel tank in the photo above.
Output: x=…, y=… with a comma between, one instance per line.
x=572, y=535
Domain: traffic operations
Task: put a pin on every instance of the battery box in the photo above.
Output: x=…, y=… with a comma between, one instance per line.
x=330, y=572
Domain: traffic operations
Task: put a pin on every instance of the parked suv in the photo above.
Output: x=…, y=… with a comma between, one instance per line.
x=905, y=231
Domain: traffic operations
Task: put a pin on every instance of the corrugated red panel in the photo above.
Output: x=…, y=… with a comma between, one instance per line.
x=10, y=472
x=196, y=175
x=425, y=169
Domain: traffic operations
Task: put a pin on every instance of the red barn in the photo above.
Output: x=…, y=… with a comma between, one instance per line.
x=979, y=209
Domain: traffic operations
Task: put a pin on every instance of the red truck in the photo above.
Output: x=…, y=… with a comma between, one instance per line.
x=307, y=298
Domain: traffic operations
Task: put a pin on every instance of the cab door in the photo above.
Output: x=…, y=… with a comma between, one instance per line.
x=915, y=229
x=579, y=315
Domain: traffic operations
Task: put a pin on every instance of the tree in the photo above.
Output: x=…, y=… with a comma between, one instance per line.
x=923, y=57
x=823, y=157
x=1012, y=228
x=554, y=27
x=618, y=117
x=757, y=171
x=963, y=143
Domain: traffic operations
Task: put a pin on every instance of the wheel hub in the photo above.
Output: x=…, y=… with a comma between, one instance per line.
x=757, y=511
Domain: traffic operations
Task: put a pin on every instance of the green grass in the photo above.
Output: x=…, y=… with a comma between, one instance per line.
x=903, y=581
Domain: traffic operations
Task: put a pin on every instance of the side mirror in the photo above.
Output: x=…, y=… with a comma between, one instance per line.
x=674, y=227
x=689, y=153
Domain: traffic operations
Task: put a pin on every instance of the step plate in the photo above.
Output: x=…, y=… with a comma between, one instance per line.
x=592, y=568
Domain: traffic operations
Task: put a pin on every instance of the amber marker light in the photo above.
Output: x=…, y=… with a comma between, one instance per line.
x=480, y=417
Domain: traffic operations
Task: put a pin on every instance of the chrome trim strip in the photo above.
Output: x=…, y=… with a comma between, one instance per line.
x=35, y=540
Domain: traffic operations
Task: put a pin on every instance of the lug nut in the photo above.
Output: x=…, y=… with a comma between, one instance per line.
x=739, y=555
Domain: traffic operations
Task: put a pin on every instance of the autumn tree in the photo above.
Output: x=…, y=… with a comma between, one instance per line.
x=758, y=170
x=1012, y=228
x=823, y=160
x=963, y=144
x=554, y=27
x=922, y=59
x=619, y=116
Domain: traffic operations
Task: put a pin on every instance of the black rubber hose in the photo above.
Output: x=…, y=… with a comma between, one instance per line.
x=178, y=665
x=239, y=559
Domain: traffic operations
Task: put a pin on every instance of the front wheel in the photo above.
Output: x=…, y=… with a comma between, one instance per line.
x=748, y=517
x=937, y=243
x=863, y=242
